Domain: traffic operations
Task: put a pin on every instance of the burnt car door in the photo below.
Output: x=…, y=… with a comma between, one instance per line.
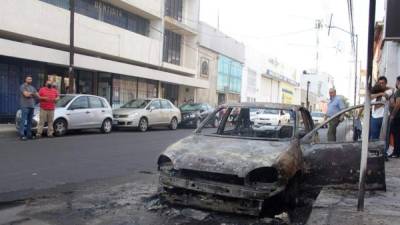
x=328, y=162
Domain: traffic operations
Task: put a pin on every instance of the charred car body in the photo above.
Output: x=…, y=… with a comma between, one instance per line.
x=236, y=168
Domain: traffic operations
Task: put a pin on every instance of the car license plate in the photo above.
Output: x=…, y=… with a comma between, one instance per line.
x=115, y=122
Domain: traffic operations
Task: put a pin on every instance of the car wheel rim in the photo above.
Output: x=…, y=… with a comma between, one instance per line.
x=60, y=128
x=143, y=125
x=174, y=124
x=107, y=126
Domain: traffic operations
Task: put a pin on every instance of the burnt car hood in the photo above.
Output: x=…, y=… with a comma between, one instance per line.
x=224, y=155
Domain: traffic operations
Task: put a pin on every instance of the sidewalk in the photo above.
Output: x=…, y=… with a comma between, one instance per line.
x=340, y=207
x=7, y=129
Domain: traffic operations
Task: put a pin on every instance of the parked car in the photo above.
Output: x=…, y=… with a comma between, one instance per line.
x=269, y=119
x=236, y=169
x=194, y=113
x=76, y=112
x=145, y=113
x=318, y=117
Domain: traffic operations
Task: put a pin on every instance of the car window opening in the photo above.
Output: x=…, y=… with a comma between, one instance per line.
x=254, y=123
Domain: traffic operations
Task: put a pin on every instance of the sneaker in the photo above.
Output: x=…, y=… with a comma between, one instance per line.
x=23, y=138
x=38, y=136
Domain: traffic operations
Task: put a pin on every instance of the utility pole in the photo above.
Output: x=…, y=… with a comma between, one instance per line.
x=308, y=102
x=367, y=107
x=318, y=26
x=71, y=47
x=356, y=70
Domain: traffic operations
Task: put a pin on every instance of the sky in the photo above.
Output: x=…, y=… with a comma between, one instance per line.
x=285, y=30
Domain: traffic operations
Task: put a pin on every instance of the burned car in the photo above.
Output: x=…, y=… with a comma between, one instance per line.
x=235, y=163
x=238, y=167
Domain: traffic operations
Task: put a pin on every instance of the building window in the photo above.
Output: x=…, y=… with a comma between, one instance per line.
x=173, y=9
x=229, y=75
x=108, y=13
x=124, y=90
x=60, y=3
x=85, y=82
x=172, y=47
x=204, y=67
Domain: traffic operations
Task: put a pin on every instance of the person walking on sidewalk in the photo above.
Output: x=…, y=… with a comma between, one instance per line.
x=335, y=105
x=48, y=97
x=395, y=120
x=27, y=104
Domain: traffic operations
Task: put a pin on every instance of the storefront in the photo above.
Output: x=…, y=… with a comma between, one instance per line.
x=117, y=89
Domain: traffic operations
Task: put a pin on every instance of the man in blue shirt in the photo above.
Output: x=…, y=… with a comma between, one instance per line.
x=335, y=105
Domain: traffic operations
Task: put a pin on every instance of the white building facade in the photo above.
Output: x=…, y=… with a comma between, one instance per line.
x=229, y=70
x=124, y=49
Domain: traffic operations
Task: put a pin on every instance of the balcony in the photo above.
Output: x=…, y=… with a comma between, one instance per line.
x=48, y=24
x=150, y=9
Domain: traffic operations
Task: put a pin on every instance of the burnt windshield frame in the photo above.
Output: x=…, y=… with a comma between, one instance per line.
x=223, y=121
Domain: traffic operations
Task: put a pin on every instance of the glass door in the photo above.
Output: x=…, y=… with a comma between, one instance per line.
x=104, y=86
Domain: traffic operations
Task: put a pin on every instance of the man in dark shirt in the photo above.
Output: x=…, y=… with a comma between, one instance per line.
x=395, y=120
x=27, y=104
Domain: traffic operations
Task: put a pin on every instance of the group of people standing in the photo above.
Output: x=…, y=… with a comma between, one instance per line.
x=47, y=97
x=381, y=92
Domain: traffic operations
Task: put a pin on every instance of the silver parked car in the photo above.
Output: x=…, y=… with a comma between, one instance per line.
x=145, y=113
x=76, y=112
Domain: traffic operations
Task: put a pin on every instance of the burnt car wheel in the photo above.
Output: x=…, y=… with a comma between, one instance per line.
x=290, y=195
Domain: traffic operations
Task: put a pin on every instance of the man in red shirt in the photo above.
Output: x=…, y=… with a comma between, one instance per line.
x=48, y=96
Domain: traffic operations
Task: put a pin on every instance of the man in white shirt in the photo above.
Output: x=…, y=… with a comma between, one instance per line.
x=378, y=110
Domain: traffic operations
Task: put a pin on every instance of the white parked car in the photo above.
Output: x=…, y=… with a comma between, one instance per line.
x=76, y=112
x=270, y=117
x=318, y=117
x=145, y=113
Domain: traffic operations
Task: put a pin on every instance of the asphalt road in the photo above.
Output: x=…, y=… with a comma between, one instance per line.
x=75, y=158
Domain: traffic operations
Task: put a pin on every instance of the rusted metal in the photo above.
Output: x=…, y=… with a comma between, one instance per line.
x=183, y=197
x=338, y=165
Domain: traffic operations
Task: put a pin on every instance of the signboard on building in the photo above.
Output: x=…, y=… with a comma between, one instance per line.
x=392, y=26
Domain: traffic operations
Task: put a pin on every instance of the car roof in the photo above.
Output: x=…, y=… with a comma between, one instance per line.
x=76, y=95
x=264, y=105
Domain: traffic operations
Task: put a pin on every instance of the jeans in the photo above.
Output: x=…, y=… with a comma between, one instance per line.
x=375, y=129
x=25, y=126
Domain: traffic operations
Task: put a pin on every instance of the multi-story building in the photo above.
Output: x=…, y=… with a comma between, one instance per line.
x=279, y=84
x=255, y=66
x=226, y=57
x=123, y=49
